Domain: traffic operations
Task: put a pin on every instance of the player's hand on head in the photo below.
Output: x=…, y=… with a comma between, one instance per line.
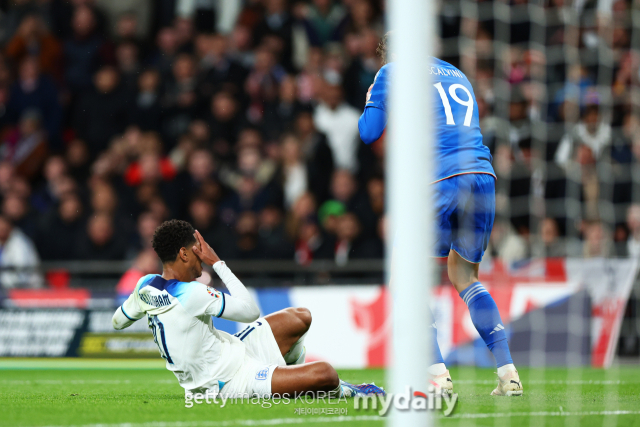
x=204, y=251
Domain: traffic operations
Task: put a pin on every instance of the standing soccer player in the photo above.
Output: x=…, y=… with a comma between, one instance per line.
x=464, y=201
x=265, y=358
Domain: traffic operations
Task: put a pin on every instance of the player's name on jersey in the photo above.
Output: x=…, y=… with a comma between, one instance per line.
x=156, y=300
x=445, y=72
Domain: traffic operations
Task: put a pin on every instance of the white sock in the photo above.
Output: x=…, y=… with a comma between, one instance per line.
x=339, y=391
x=505, y=369
x=437, y=369
x=297, y=352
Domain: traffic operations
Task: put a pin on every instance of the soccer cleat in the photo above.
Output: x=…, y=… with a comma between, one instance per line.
x=508, y=385
x=352, y=390
x=442, y=383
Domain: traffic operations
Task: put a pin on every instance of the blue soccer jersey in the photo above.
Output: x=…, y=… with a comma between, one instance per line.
x=464, y=184
x=458, y=142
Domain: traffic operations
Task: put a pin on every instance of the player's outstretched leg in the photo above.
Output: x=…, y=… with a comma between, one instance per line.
x=486, y=318
x=289, y=328
x=440, y=377
x=316, y=377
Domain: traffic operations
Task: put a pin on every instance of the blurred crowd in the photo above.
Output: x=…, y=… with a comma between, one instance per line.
x=241, y=117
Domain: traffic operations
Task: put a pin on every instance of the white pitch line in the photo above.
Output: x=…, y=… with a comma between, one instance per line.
x=274, y=421
x=344, y=418
x=81, y=381
x=552, y=382
x=477, y=382
x=542, y=414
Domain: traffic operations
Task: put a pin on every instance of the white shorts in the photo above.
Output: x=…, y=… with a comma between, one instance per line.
x=261, y=358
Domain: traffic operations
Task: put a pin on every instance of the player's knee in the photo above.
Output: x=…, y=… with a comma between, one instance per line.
x=327, y=376
x=303, y=315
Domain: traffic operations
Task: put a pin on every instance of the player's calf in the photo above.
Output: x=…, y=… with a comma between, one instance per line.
x=310, y=377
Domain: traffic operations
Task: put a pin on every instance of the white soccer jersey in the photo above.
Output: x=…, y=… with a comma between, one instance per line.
x=179, y=315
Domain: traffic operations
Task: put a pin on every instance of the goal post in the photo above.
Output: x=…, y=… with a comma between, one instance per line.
x=409, y=148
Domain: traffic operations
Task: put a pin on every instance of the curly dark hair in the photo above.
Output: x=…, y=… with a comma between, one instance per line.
x=170, y=237
x=383, y=47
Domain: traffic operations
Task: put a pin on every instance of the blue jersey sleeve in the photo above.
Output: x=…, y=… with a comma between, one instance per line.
x=373, y=121
x=372, y=124
x=380, y=88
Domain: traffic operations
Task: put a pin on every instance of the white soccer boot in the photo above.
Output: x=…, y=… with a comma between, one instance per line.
x=442, y=383
x=509, y=385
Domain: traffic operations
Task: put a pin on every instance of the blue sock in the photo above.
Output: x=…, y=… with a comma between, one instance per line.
x=486, y=318
x=437, y=355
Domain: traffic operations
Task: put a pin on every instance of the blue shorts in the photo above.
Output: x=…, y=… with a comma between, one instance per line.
x=465, y=206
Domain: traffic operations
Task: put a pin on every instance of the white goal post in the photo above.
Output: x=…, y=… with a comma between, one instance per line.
x=409, y=148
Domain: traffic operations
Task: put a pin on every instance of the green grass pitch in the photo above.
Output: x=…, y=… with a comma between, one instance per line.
x=138, y=393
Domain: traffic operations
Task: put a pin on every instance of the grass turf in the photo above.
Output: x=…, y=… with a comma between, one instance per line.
x=143, y=394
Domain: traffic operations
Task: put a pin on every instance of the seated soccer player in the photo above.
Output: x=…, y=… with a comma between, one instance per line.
x=464, y=201
x=266, y=357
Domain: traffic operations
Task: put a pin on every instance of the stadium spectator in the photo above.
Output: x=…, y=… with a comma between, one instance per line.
x=18, y=211
x=33, y=36
x=19, y=252
x=363, y=67
x=101, y=113
x=128, y=63
x=141, y=241
x=295, y=179
x=324, y=18
x=317, y=155
x=35, y=92
x=275, y=29
x=280, y=114
x=589, y=138
x=101, y=242
x=311, y=243
x=505, y=243
x=351, y=244
x=339, y=121
x=180, y=101
x=344, y=189
x=273, y=240
x=202, y=214
x=60, y=229
x=167, y=49
x=547, y=242
x=597, y=241
x=85, y=49
x=146, y=111
x=145, y=263
x=218, y=69
x=633, y=223
x=25, y=145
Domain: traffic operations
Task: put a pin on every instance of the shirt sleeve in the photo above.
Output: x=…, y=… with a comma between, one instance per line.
x=239, y=306
x=202, y=300
x=378, y=98
x=127, y=313
x=373, y=120
x=372, y=124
